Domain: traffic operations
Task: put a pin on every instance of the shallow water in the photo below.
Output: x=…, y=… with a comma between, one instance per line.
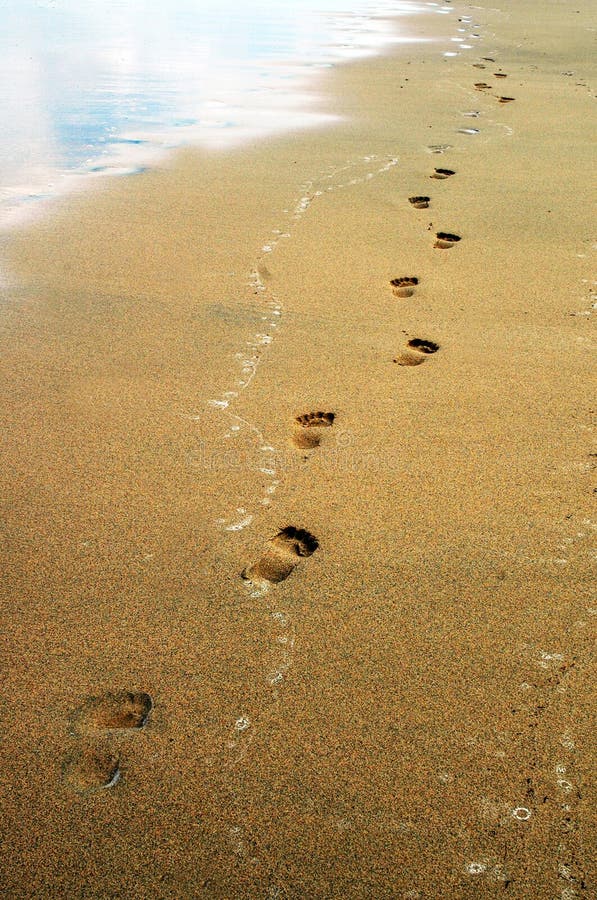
x=92, y=89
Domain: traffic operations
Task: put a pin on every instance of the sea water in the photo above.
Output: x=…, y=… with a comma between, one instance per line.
x=92, y=88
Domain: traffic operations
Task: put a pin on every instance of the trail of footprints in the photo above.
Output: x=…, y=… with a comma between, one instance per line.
x=417, y=350
x=285, y=551
x=101, y=723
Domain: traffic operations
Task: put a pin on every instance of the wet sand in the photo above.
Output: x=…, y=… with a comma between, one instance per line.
x=404, y=708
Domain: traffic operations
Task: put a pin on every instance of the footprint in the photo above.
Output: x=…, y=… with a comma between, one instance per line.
x=505, y=99
x=418, y=349
x=445, y=240
x=405, y=286
x=442, y=173
x=91, y=769
x=500, y=75
x=307, y=432
x=482, y=86
x=479, y=66
x=120, y=711
x=419, y=202
x=284, y=552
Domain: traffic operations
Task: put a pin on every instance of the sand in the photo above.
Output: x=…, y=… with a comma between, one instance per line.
x=404, y=708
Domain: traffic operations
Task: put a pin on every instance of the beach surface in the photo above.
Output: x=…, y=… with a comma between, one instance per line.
x=396, y=700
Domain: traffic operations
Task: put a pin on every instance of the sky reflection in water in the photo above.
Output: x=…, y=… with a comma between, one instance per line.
x=93, y=87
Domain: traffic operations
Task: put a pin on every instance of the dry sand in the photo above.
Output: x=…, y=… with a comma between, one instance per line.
x=408, y=713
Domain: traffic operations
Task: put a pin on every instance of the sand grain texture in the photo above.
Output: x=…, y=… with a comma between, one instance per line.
x=407, y=715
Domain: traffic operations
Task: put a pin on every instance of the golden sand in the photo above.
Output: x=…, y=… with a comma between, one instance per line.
x=406, y=711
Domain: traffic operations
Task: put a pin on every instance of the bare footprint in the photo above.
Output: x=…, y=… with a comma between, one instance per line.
x=419, y=202
x=120, y=711
x=442, y=173
x=284, y=552
x=482, y=86
x=445, y=240
x=91, y=769
x=505, y=99
x=308, y=429
x=499, y=75
x=417, y=350
x=405, y=286
x=479, y=66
